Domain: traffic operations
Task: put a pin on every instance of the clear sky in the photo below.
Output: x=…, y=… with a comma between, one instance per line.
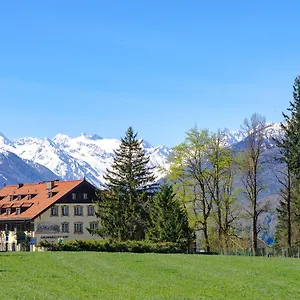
x=159, y=66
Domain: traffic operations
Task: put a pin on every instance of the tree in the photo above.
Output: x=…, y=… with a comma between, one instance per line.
x=123, y=207
x=168, y=218
x=289, y=145
x=189, y=170
x=203, y=175
x=220, y=187
x=251, y=165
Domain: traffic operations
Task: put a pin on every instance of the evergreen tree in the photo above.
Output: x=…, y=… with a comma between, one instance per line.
x=168, y=218
x=123, y=208
x=289, y=145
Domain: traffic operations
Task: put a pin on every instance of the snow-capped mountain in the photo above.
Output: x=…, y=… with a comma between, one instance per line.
x=273, y=130
x=70, y=158
x=84, y=156
x=14, y=169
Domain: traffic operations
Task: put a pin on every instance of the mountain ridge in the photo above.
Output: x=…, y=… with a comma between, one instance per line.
x=89, y=155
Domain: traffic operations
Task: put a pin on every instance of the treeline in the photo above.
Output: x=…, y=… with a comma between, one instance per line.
x=133, y=206
x=200, y=198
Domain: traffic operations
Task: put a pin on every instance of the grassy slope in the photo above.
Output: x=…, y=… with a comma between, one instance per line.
x=87, y=275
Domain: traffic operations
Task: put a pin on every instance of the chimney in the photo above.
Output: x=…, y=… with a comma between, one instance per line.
x=49, y=185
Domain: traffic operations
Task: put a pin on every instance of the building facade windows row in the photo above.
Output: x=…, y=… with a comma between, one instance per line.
x=78, y=210
x=78, y=227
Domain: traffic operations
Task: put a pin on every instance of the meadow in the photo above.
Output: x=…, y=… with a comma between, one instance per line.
x=91, y=275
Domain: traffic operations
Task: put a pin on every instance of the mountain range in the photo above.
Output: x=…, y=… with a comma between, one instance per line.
x=30, y=160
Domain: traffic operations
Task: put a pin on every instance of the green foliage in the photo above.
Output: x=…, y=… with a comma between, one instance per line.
x=190, y=173
x=290, y=144
x=202, y=172
x=168, y=218
x=116, y=246
x=123, y=208
x=289, y=209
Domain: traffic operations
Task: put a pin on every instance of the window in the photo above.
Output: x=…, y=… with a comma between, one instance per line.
x=91, y=210
x=29, y=197
x=54, y=211
x=78, y=210
x=65, y=210
x=85, y=196
x=18, y=210
x=64, y=227
x=93, y=225
x=19, y=197
x=78, y=228
x=11, y=198
x=73, y=196
x=50, y=194
x=8, y=210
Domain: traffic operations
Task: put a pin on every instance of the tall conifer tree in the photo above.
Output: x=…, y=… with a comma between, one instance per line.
x=289, y=208
x=168, y=218
x=123, y=208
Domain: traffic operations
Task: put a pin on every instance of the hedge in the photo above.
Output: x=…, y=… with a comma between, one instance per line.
x=115, y=246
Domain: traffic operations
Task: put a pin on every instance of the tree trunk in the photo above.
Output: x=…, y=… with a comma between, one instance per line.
x=289, y=221
x=205, y=231
x=254, y=237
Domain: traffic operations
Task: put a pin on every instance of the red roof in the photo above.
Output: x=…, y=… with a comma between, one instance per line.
x=39, y=201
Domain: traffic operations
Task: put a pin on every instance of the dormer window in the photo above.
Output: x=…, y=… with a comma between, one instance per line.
x=8, y=210
x=49, y=194
x=29, y=197
x=11, y=197
x=73, y=196
x=19, y=197
x=18, y=210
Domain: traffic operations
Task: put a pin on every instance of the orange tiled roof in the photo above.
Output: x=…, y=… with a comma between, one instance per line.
x=39, y=201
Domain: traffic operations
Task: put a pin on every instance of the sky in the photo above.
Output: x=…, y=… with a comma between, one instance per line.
x=161, y=67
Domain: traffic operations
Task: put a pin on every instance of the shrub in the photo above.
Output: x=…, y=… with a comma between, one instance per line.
x=114, y=246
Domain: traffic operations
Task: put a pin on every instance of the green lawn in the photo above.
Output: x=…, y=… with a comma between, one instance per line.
x=87, y=275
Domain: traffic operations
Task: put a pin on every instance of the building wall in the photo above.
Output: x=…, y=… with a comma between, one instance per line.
x=50, y=228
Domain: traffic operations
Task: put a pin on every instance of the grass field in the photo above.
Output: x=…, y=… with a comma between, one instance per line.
x=86, y=275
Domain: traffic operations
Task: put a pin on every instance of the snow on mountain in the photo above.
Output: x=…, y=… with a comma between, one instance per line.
x=14, y=169
x=273, y=130
x=99, y=153
x=4, y=140
x=70, y=158
x=47, y=153
x=89, y=155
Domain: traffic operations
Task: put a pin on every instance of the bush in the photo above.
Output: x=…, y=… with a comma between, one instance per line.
x=114, y=246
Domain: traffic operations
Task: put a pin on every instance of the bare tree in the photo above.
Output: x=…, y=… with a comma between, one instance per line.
x=251, y=166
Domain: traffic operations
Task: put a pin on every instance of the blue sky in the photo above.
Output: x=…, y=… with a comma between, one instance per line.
x=159, y=66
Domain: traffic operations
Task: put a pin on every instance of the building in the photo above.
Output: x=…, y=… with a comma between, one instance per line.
x=47, y=211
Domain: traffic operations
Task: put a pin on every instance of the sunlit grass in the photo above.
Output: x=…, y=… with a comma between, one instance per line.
x=89, y=275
